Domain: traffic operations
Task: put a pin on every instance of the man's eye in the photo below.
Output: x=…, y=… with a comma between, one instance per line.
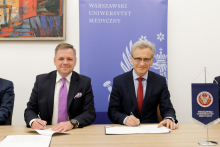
x=69, y=59
x=60, y=59
x=146, y=59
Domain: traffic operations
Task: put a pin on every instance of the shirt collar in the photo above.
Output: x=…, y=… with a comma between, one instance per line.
x=135, y=76
x=67, y=78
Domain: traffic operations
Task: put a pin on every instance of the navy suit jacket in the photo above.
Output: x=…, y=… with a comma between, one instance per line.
x=123, y=99
x=6, y=101
x=218, y=80
x=42, y=99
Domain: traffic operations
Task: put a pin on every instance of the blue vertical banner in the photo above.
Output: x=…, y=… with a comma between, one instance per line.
x=108, y=29
x=205, y=104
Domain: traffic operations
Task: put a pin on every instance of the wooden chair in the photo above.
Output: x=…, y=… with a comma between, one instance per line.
x=158, y=114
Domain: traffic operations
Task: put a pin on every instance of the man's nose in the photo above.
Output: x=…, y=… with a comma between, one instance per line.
x=142, y=62
x=65, y=61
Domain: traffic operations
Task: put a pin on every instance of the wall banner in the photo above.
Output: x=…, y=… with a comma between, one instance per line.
x=108, y=29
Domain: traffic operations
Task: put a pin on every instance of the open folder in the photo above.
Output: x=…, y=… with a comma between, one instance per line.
x=142, y=129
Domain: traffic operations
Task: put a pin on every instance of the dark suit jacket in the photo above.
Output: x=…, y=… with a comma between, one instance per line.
x=218, y=80
x=6, y=101
x=123, y=99
x=42, y=99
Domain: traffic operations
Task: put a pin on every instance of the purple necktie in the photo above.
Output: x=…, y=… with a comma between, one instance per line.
x=62, y=108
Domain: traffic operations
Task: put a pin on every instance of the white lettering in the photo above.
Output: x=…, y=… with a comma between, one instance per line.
x=205, y=113
x=109, y=6
x=112, y=13
x=96, y=20
x=91, y=5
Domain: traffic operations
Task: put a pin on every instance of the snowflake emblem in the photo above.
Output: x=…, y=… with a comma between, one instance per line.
x=160, y=36
x=143, y=38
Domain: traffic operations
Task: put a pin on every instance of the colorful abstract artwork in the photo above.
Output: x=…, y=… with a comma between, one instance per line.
x=32, y=19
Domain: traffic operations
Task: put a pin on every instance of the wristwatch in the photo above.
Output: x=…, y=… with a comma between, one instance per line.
x=74, y=122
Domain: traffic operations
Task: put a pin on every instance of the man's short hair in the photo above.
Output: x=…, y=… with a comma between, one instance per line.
x=143, y=44
x=64, y=46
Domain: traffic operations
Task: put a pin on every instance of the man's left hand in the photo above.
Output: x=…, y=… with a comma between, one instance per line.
x=63, y=127
x=169, y=124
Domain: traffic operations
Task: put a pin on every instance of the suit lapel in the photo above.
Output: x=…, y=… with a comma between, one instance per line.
x=148, y=91
x=72, y=89
x=51, y=88
x=132, y=91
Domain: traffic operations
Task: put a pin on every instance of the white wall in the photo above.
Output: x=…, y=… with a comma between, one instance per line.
x=193, y=43
x=21, y=61
x=193, y=36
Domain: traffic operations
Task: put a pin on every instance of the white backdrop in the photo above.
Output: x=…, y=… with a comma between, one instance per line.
x=193, y=37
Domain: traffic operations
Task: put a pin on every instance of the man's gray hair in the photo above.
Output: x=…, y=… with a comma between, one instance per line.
x=64, y=46
x=143, y=44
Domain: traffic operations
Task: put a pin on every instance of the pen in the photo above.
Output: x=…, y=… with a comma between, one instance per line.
x=41, y=119
x=134, y=116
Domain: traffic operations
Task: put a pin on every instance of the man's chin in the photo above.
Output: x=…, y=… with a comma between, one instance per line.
x=66, y=72
x=142, y=73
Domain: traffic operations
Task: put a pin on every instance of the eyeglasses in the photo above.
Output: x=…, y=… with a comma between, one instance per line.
x=138, y=60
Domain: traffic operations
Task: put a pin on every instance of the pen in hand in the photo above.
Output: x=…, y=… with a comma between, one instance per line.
x=41, y=119
x=134, y=116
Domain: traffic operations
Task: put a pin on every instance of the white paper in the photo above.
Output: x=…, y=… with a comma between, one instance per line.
x=48, y=132
x=26, y=141
x=142, y=129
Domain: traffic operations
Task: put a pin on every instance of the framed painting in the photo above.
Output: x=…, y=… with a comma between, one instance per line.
x=32, y=19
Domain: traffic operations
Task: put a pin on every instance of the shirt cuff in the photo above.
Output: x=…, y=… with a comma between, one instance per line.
x=77, y=125
x=125, y=120
x=170, y=118
x=30, y=123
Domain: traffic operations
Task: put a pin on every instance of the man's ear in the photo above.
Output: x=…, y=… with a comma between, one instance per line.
x=131, y=59
x=75, y=61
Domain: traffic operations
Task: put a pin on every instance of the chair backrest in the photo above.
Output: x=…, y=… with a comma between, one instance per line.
x=158, y=114
x=10, y=119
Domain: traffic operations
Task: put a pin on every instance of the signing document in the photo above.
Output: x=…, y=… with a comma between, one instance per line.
x=48, y=132
x=42, y=140
x=26, y=141
x=142, y=129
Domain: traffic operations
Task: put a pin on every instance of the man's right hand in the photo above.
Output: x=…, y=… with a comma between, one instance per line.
x=39, y=124
x=132, y=121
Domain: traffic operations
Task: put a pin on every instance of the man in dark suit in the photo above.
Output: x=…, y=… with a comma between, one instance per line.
x=62, y=98
x=217, y=80
x=6, y=101
x=136, y=94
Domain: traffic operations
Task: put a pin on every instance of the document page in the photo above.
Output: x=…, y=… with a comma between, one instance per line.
x=142, y=129
x=26, y=141
x=48, y=132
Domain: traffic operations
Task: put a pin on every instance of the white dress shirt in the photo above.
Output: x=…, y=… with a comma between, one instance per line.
x=56, y=95
x=136, y=83
x=144, y=83
x=58, y=85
